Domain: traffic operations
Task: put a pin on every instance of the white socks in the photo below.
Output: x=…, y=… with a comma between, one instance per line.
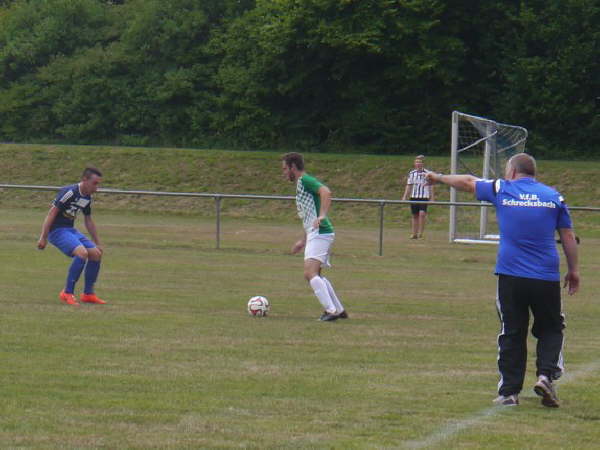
x=326, y=295
x=320, y=289
x=336, y=301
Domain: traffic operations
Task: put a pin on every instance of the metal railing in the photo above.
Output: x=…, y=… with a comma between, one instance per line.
x=219, y=198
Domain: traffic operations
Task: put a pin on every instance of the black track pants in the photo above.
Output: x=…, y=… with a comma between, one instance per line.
x=516, y=296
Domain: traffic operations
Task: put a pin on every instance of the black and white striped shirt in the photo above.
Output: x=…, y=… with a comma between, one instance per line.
x=420, y=189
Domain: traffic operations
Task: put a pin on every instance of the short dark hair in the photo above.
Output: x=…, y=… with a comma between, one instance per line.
x=524, y=163
x=89, y=171
x=294, y=158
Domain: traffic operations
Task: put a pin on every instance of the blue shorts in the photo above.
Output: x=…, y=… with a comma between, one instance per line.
x=67, y=239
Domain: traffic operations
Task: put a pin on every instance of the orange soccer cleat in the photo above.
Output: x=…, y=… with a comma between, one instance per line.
x=68, y=299
x=92, y=298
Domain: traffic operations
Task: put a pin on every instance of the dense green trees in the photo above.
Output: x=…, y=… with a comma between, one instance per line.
x=356, y=73
x=554, y=78
x=371, y=75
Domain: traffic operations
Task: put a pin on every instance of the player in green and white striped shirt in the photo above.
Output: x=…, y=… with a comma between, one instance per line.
x=313, y=200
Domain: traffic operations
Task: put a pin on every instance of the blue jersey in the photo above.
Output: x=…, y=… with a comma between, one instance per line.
x=69, y=201
x=528, y=213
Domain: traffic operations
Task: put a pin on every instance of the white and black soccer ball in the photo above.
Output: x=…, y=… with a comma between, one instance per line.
x=258, y=306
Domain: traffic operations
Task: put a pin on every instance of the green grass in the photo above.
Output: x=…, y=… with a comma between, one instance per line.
x=362, y=176
x=174, y=361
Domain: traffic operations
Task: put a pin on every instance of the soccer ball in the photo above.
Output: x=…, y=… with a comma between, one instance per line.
x=258, y=306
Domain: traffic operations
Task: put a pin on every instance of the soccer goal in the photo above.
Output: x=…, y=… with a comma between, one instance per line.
x=480, y=147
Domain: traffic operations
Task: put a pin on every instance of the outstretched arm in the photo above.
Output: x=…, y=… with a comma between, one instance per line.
x=464, y=183
x=569, y=244
x=43, y=240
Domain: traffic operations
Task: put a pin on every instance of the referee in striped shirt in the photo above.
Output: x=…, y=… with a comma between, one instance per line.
x=418, y=188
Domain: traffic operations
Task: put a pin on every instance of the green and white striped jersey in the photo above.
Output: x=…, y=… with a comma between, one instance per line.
x=308, y=203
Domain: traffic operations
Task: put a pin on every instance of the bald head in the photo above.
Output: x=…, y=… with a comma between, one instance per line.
x=523, y=164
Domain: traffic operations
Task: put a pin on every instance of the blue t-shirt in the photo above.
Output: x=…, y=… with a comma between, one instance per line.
x=528, y=213
x=69, y=201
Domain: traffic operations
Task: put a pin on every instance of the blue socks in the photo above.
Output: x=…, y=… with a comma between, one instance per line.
x=74, y=274
x=91, y=275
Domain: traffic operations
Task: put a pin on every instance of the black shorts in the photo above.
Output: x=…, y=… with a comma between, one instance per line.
x=415, y=208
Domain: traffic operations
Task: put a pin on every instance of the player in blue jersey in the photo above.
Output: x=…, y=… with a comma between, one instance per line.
x=58, y=228
x=529, y=214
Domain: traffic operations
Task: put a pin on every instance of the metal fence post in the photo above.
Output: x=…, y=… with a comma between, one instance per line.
x=218, y=210
x=381, y=206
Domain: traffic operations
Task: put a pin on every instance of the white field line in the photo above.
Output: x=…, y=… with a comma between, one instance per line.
x=452, y=429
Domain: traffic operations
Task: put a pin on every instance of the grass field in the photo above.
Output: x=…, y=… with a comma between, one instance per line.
x=175, y=361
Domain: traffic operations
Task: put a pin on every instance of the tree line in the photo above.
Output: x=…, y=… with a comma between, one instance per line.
x=316, y=75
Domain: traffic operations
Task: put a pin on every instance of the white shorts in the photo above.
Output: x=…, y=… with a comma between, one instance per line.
x=318, y=247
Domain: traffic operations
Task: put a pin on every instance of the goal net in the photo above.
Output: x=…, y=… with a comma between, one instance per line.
x=480, y=147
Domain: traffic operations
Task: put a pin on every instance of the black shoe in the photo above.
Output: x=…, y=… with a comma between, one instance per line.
x=545, y=389
x=328, y=317
x=343, y=315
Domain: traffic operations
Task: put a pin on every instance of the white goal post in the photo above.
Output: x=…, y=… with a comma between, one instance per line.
x=480, y=147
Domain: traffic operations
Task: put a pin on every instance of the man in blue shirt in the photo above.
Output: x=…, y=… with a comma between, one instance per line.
x=529, y=213
x=58, y=228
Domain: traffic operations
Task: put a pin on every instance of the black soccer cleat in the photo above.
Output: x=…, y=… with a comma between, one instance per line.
x=343, y=315
x=545, y=389
x=328, y=317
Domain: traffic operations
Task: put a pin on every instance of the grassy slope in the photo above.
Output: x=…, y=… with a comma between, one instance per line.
x=364, y=176
x=173, y=361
